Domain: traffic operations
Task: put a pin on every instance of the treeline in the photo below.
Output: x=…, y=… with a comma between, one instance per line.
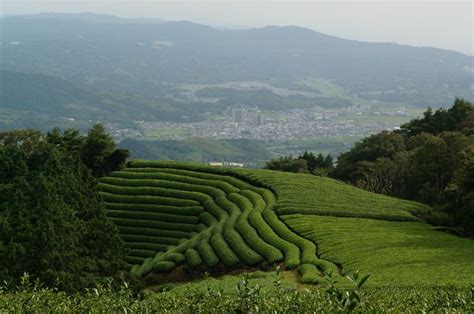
x=52, y=221
x=305, y=163
x=430, y=160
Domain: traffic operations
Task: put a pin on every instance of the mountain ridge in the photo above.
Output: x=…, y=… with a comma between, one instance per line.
x=146, y=65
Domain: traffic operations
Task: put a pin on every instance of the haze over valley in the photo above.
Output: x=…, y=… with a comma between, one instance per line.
x=284, y=89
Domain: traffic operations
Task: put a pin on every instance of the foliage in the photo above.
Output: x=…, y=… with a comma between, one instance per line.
x=425, y=161
x=247, y=198
x=307, y=162
x=244, y=294
x=395, y=253
x=318, y=164
x=97, y=150
x=288, y=164
x=239, y=225
x=52, y=221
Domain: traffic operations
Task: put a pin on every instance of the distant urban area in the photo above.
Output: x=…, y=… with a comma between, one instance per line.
x=252, y=123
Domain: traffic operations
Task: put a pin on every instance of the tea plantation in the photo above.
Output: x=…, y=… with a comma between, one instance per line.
x=180, y=219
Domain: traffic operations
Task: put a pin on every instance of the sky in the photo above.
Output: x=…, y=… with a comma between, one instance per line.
x=443, y=24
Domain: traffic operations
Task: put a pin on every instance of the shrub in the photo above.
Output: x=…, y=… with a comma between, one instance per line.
x=207, y=253
x=142, y=253
x=223, y=251
x=165, y=209
x=124, y=222
x=155, y=247
x=135, y=173
x=207, y=219
x=152, y=216
x=178, y=258
x=147, y=183
x=146, y=199
x=309, y=274
x=193, y=259
x=163, y=266
x=238, y=245
x=248, y=233
x=154, y=232
x=135, y=260
x=292, y=251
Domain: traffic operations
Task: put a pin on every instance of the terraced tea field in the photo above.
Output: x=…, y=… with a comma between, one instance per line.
x=189, y=216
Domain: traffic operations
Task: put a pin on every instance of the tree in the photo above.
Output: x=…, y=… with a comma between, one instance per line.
x=288, y=164
x=97, y=150
x=464, y=215
x=311, y=161
x=70, y=140
x=319, y=164
x=52, y=222
x=440, y=121
x=382, y=145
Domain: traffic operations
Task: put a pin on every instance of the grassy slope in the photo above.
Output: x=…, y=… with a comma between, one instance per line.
x=359, y=230
x=394, y=252
x=312, y=195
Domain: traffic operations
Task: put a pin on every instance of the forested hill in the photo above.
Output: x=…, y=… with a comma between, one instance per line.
x=144, y=62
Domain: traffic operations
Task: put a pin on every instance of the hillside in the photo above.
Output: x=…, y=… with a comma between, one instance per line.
x=180, y=219
x=145, y=66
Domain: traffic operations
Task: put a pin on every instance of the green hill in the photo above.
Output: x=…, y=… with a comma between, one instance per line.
x=183, y=218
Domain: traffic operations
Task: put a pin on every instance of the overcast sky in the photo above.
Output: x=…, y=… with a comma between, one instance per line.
x=446, y=24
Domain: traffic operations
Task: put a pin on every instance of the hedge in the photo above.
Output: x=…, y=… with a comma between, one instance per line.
x=155, y=247
x=152, y=216
x=201, y=227
x=151, y=191
x=161, y=184
x=213, y=208
x=146, y=267
x=248, y=233
x=154, y=232
x=193, y=259
x=237, y=183
x=292, y=209
x=207, y=219
x=325, y=266
x=207, y=253
x=308, y=248
x=165, y=209
x=256, y=199
x=146, y=199
x=223, y=251
x=131, y=174
x=309, y=274
x=142, y=253
x=149, y=239
x=291, y=251
x=135, y=260
x=238, y=245
x=174, y=257
x=153, y=224
x=163, y=266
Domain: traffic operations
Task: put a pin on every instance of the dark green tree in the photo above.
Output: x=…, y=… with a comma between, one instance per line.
x=319, y=164
x=100, y=154
x=97, y=149
x=424, y=161
x=52, y=222
x=288, y=164
x=464, y=216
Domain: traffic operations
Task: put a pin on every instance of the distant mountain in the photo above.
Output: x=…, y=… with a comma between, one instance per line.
x=30, y=100
x=143, y=62
x=92, y=17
